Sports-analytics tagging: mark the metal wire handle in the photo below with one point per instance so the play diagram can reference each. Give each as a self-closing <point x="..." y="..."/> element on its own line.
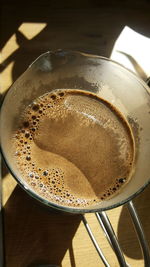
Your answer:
<point x="98" y="249"/>
<point x="112" y="239"/>
<point x="110" y="235"/>
<point x="140" y="233"/>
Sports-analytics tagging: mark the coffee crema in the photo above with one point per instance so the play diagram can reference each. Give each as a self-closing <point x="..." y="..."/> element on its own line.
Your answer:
<point x="73" y="148"/>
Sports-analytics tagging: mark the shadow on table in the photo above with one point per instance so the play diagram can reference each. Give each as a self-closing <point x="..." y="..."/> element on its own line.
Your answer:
<point x="35" y="234"/>
<point x="126" y="234"/>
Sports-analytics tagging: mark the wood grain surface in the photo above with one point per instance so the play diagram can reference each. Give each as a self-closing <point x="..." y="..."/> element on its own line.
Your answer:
<point x="32" y="233"/>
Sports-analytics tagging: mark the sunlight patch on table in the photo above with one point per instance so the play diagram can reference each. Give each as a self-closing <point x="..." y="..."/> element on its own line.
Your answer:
<point x="6" y="77"/>
<point x="10" y="47"/>
<point x="30" y="30"/>
<point x="8" y="185"/>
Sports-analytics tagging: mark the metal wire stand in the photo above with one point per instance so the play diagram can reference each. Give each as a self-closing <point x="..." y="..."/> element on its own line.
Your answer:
<point x="112" y="239"/>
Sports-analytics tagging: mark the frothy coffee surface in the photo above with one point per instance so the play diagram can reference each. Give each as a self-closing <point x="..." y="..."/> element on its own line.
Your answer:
<point x="73" y="148"/>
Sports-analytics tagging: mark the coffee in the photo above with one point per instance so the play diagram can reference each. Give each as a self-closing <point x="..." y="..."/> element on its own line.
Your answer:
<point x="73" y="148"/>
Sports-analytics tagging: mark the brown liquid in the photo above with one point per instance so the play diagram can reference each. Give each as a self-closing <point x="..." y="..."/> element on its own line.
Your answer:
<point x="73" y="148"/>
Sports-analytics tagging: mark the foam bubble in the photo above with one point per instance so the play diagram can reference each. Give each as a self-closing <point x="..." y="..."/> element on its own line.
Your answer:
<point x="28" y="158"/>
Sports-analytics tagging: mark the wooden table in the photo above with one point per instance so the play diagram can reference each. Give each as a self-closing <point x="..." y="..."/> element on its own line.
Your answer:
<point x="34" y="234"/>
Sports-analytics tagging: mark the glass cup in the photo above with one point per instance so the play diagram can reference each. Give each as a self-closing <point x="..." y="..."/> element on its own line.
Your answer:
<point x="101" y="76"/>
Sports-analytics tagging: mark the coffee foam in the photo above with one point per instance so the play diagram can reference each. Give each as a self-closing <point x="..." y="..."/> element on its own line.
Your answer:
<point x="73" y="148"/>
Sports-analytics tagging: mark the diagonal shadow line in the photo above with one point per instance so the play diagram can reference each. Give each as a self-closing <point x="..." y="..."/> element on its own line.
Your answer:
<point x="71" y="253"/>
<point x="135" y="64"/>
